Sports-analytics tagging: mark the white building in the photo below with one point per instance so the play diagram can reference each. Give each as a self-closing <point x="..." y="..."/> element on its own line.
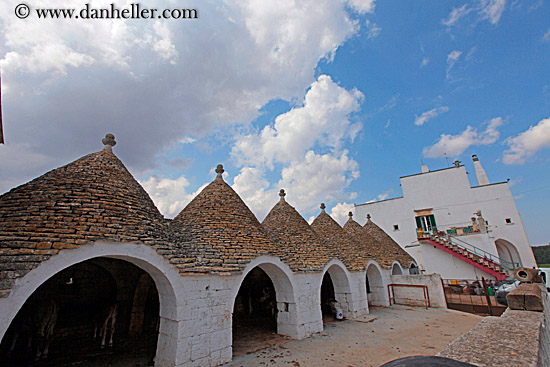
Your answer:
<point x="482" y="221"/>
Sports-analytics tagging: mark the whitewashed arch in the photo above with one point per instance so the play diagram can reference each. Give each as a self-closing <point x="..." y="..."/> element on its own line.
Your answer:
<point x="283" y="281"/>
<point x="279" y="273"/>
<point x="413" y="268"/>
<point x="508" y="252"/>
<point x="378" y="294"/>
<point x="341" y="280"/>
<point x="396" y="269"/>
<point x="165" y="276"/>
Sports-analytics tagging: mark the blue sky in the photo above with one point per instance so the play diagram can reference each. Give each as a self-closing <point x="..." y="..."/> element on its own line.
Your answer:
<point x="331" y="100"/>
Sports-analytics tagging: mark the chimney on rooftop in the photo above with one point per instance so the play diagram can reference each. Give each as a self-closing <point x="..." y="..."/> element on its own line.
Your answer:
<point x="481" y="176"/>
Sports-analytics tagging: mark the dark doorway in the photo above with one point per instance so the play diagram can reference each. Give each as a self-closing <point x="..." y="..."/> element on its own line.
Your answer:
<point x="328" y="299"/>
<point x="368" y="285"/>
<point x="72" y="311"/>
<point x="255" y="314"/>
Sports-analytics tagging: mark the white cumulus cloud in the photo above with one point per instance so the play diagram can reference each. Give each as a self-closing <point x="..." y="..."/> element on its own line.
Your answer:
<point x="323" y="123"/>
<point x="340" y="212"/>
<point x="319" y="177"/>
<point x="322" y="119"/>
<point x="169" y="195"/>
<point x="428" y="115"/>
<point x="527" y="143"/>
<point x="454" y="145"/>
<point x="152" y="83"/>
<point x="362" y="6"/>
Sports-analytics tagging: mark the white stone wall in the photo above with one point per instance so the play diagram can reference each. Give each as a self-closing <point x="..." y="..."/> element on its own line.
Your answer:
<point x="416" y="295"/>
<point x="451" y="267"/>
<point x="204" y="329"/>
<point x="196" y="310"/>
<point x="378" y="281"/>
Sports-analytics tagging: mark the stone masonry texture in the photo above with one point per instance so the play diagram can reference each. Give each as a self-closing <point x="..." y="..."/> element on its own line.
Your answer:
<point x="295" y="242"/>
<point x="341" y="245"/>
<point x="378" y="244"/>
<point x="95" y="198"/>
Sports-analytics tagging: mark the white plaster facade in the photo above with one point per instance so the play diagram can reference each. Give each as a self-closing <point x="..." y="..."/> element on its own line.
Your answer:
<point x="415" y="296"/>
<point x="196" y="310"/>
<point x="447" y="194"/>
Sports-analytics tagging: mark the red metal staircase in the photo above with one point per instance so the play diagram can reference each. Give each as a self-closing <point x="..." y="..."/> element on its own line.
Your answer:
<point x="480" y="261"/>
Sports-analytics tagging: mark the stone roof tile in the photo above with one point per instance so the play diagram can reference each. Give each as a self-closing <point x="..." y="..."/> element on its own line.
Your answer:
<point x="93" y="198"/>
<point x="216" y="232"/>
<point x="296" y="243"/>
<point x="341" y="244"/>
<point x="377" y="242"/>
<point x="387" y="249"/>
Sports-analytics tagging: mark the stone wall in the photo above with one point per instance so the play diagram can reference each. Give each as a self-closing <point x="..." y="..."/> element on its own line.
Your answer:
<point x="379" y="279"/>
<point x="415" y="296"/>
<point x="517" y="338"/>
<point x="196" y="310"/>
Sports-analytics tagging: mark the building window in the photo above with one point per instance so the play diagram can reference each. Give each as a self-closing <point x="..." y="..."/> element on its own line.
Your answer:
<point x="396" y="227"/>
<point x="508" y="221"/>
<point x="426" y="223"/>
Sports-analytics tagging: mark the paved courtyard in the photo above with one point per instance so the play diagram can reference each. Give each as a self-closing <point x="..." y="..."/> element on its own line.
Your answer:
<point x="383" y="335"/>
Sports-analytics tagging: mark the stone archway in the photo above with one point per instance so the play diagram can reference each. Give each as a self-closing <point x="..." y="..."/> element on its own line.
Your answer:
<point x="338" y="277"/>
<point x="509" y="253"/>
<point x="396" y="269"/>
<point x="263" y="303"/>
<point x="165" y="277"/>
<point x="376" y="293"/>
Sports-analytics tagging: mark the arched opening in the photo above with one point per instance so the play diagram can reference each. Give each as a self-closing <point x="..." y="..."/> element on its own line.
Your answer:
<point x="255" y="313"/>
<point x="84" y="313"/>
<point x="396" y="269"/>
<point x="375" y="286"/>
<point x="335" y="292"/>
<point x="413" y="269"/>
<point x="328" y="299"/>
<point x="508" y="253"/>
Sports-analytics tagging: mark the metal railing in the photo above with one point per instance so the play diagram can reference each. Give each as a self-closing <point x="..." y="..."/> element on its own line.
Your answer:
<point x="509" y="265"/>
<point x="478" y="252"/>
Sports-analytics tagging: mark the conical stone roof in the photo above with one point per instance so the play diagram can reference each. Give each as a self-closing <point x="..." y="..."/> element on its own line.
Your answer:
<point x="387" y="249"/>
<point x="297" y="244"/>
<point x="93" y="198"/>
<point x="342" y="246"/>
<point x="384" y="249"/>
<point x="216" y="232"/>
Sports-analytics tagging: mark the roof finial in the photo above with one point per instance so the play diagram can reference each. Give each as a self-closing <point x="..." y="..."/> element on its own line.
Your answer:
<point x="108" y="142"/>
<point x="368" y="217"/>
<point x="219" y="171"/>
<point x="282" y="194"/>
<point x="323" y="207"/>
<point x="350" y="214"/>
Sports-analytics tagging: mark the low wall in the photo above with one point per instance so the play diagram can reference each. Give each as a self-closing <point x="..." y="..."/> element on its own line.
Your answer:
<point x="517" y="338"/>
<point x="415" y="296"/>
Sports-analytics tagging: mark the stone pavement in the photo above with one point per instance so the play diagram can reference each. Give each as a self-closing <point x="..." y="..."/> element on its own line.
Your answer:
<point x="384" y="335"/>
